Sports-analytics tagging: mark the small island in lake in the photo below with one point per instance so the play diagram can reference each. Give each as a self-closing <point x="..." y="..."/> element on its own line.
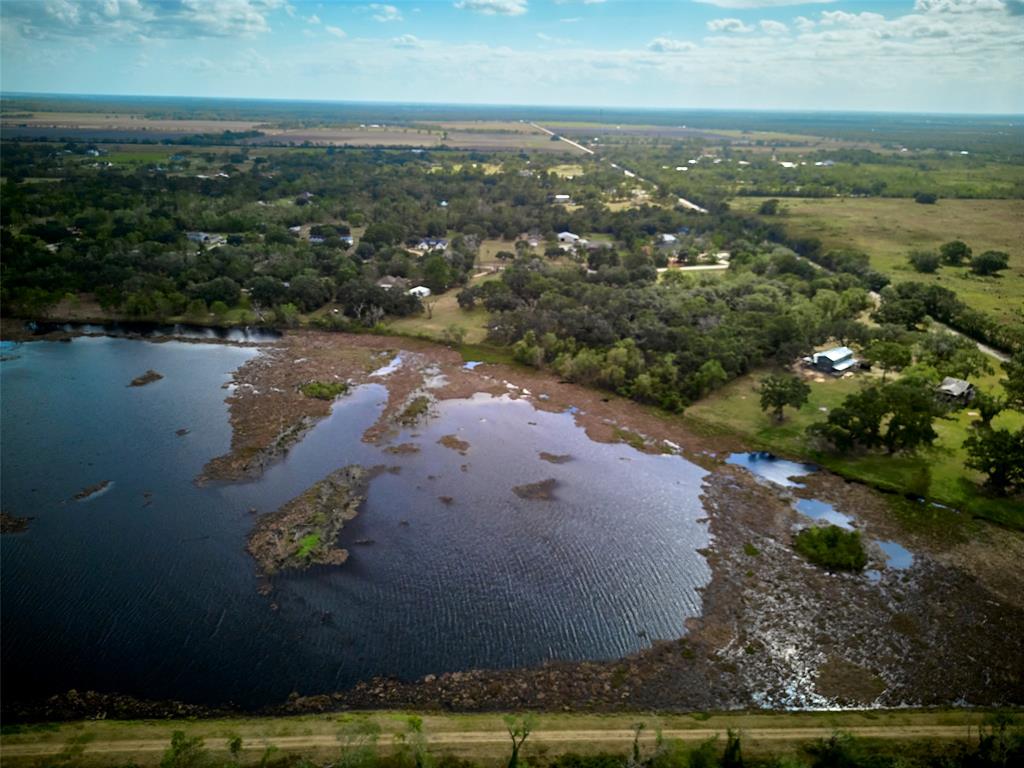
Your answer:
<point x="304" y="531"/>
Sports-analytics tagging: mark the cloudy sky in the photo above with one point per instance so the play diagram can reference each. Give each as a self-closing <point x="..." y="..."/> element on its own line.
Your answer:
<point x="900" y="55"/>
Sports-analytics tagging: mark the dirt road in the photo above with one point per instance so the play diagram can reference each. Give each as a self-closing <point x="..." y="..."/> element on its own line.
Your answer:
<point x="606" y="739"/>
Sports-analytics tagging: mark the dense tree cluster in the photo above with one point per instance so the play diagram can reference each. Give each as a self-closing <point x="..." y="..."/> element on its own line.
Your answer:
<point x="668" y="342"/>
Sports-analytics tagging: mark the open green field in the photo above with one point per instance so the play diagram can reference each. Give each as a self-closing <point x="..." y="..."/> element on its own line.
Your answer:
<point x="443" y="312"/>
<point x="888" y="228"/>
<point x="937" y="473"/>
<point x="481" y="738"/>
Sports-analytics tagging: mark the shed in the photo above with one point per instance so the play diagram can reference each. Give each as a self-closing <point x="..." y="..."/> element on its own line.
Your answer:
<point x="836" y="360"/>
<point x="420" y="291"/>
<point x="956" y="390"/>
<point x="568" y="237"/>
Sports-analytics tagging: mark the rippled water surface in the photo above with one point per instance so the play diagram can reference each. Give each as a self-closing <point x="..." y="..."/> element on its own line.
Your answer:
<point x="146" y="588"/>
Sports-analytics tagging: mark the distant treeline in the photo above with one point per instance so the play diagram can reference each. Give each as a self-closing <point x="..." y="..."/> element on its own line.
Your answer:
<point x="958" y="132"/>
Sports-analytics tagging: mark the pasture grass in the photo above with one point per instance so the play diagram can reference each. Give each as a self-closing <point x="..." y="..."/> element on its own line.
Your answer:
<point x="887" y="229"/>
<point x="936" y="473"/>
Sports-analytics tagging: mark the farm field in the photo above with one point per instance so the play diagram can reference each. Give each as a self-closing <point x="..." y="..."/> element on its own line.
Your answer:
<point x="937" y="473"/>
<point x="888" y="228"/>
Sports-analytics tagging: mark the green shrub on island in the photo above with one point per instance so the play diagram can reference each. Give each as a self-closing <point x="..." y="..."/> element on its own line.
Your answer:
<point x="324" y="390"/>
<point x="832" y="547"/>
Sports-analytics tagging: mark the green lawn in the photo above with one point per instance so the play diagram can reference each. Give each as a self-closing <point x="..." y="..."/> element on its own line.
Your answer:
<point x="888" y="228"/>
<point x="937" y="473"/>
<point x="444" y="313"/>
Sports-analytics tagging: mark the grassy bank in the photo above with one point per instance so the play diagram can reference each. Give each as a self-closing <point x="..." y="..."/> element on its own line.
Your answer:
<point x="887" y="229"/>
<point x="481" y="738"/>
<point x="937" y="473"/>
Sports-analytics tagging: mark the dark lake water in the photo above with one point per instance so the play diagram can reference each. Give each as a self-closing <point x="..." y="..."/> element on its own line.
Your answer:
<point x="147" y="589"/>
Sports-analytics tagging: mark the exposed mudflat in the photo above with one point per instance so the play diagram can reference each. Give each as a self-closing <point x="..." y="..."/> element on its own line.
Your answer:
<point x="304" y="531"/>
<point x="147" y="378"/>
<point x="12" y="523"/>
<point x="774" y="631"/>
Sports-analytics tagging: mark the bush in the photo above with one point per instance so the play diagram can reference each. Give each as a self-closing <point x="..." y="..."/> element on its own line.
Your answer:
<point x="324" y="390"/>
<point x="989" y="262"/>
<point x="925" y="198"/>
<point x="832" y="547"/>
<point x="924" y="261"/>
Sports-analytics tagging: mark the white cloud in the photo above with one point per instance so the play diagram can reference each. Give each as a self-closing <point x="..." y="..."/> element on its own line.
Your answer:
<point x="774" y="27"/>
<point x="744" y="4"/>
<point x="668" y="45"/>
<point x="959" y="6"/>
<point x="314" y="19"/>
<point x="336" y="31"/>
<point x="803" y="24"/>
<point x="492" y="7"/>
<point x="385" y="13"/>
<point x="406" y="41"/>
<point x="132" y="19"/>
<point x="728" y="25"/>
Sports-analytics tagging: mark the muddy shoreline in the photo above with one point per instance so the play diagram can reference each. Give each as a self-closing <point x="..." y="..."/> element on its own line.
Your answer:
<point x="775" y="631"/>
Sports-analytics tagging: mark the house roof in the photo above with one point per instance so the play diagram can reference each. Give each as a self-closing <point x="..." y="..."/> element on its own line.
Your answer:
<point x="835" y="354"/>
<point x="568" y="236"/>
<point x="954" y="387"/>
<point x="844" y="365"/>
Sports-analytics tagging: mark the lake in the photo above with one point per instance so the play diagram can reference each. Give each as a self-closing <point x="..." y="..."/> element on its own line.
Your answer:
<point x="146" y="588"/>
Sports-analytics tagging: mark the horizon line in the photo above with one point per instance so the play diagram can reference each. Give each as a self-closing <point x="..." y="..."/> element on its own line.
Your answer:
<point x="496" y="105"/>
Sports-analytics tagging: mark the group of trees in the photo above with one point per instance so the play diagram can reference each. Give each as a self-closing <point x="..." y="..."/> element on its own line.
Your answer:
<point x="672" y="341"/>
<point x="954" y="254"/>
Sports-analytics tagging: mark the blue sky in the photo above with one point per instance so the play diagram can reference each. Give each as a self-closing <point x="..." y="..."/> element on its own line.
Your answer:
<point x="901" y="55"/>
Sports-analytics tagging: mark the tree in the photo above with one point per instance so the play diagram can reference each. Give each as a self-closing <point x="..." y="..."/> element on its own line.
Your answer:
<point x="889" y="356"/>
<point x="988" y="406"/>
<point x="924" y="261"/>
<point x="519" y="730"/>
<point x="769" y="208"/>
<point x="999" y="453"/>
<point x="955" y="253"/>
<point x="925" y="198"/>
<point x="1013" y="384"/>
<point x="184" y="752"/>
<point x="912" y="408"/>
<point x="779" y="390"/>
<point x="989" y="262"/>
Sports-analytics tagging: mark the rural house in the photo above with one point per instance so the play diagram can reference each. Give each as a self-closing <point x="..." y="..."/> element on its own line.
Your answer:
<point x="568" y="237"/>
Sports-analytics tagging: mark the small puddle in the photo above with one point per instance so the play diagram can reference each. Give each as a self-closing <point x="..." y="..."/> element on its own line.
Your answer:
<point x="771" y="467"/>
<point x="472" y="364"/>
<point x="390" y="368"/>
<point x="897" y="556"/>
<point x="819" y="510"/>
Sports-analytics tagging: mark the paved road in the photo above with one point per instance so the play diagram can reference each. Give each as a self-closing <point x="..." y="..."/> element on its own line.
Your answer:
<point x="567" y="141"/>
<point x="470" y="738"/>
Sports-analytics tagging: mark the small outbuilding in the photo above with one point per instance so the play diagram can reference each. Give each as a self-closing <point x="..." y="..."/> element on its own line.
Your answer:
<point x="836" y="361"/>
<point x="420" y="291"/>
<point x="956" y="391"/>
<point x="568" y="237"/>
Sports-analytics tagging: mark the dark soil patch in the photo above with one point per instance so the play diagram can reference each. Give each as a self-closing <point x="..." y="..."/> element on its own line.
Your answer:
<point x="147" y="378"/>
<point x="542" y="491"/>
<point x="91" y="490"/>
<point x="12" y="523"/>
<point x="555" y="458"/>
<point x="453" y="442"/>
